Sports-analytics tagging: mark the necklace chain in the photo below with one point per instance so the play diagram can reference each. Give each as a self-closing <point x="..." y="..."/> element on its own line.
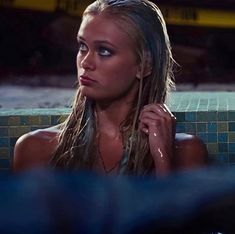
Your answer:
<point x="107" y="171"/>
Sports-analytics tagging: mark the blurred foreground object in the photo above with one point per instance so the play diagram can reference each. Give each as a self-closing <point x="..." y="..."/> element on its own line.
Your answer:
<point x="44" y="201"/>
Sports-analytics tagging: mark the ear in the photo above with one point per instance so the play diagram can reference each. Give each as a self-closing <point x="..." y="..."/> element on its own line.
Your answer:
<point x="145" y="67"/>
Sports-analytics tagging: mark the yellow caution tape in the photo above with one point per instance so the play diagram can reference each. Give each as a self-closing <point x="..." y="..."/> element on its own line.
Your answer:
<point x="173" y="15"/>
<point x="199" y="17"/>
<point x="73" y="7"/>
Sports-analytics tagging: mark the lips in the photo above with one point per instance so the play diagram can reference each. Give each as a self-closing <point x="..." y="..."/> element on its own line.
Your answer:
<point x="86" y="81"/>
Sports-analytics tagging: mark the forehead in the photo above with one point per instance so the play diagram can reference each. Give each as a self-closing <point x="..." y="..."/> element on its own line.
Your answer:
<point x="102" y="27"/>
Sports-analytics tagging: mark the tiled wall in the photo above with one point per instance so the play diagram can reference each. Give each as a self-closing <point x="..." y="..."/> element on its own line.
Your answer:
<point x="211" y="116"/>
<point x="14" y="123"/>
<point x="216" y="129"/>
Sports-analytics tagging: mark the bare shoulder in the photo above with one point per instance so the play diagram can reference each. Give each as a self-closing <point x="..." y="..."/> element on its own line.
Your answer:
<point x="35" y="148"/>
<point x="190" y="151"/>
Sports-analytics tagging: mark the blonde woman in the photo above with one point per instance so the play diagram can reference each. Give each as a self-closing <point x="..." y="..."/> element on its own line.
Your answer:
<point x="119" y="122"/>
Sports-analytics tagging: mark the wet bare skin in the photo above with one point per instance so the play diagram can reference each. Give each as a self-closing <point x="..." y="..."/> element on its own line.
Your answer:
<point x="35" y="149"/>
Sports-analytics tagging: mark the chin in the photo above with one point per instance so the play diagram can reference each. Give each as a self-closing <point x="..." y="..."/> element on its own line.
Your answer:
<point x="85" y="91"/>
<point x="89" y="95"/>
<point x="95" y="96"/>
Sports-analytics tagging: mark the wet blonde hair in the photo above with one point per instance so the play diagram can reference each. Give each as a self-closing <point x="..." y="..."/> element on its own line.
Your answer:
<point x="142" y="20"/>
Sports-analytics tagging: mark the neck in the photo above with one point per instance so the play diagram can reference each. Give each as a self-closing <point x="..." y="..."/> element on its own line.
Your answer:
<point x="110" y="117"/>
<point x="112" y="113"/>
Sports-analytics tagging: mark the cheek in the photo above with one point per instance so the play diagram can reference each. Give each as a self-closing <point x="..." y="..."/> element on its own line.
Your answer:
<point x="78" y="63"/>
<point x="121" y="72"/>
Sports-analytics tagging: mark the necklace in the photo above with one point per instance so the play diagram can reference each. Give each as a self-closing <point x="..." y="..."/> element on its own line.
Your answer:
<point x="107" y="171"/>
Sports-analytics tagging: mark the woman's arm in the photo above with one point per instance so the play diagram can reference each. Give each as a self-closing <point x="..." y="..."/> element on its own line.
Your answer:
<point x="170" y="151"/>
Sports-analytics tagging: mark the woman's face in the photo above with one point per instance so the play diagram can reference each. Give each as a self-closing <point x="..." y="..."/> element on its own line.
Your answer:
<point x="106" y="63"/>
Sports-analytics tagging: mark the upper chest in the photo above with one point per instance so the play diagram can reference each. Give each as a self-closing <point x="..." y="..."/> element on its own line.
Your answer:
<point x="109" y="153"/>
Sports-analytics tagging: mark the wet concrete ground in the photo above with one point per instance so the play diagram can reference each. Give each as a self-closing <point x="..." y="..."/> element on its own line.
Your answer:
<point x="15" y="96"/>
<point x="34" y="97"/>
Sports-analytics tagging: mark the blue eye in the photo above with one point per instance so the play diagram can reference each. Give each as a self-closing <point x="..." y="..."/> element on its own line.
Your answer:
<point x="82" y="47"/>
<point x="105" y="51"/>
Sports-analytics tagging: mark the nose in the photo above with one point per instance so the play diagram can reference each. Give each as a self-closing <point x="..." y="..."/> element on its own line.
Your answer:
<point x="88" y="61"/>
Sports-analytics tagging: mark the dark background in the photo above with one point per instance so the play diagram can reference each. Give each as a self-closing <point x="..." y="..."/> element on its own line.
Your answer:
<point x="43" y="44"/>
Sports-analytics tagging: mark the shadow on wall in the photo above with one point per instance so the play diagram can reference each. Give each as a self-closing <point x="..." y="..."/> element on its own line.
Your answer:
<point x="45" y="43"/>
<point x="37" y="43"/>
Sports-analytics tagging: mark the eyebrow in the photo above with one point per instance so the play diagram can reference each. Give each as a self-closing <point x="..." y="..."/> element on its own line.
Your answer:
<point x="97" y="41"/>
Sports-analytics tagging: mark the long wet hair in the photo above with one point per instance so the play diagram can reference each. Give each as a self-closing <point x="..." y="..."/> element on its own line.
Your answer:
<point x="143" y="22"/>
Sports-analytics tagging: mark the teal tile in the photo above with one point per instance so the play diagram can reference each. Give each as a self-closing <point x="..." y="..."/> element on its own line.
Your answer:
<point x="62" y="118"/>
<point x="45" y="120"/>
<point x="192" y="108"/>
<point x="223" y="137"/>
<point x="11" y="152"/>
<point x="190" y="127"/>
<point x="180" y="116"/>
<point x="231" y="137"/>
<point x="212" y="137"/>
<point x="4" y="132"/>
<point x="4" y="142"/>
<point x="212" y="127"/>
<point x="194" y="103"/>
<point x="231" y="115"/>
<point x="222" y="116"/>
<point x="55" y="119"/>
<point x="4" y="152"/>
<point x="212" y="148"/>
<point x="203" y="136"/>
<point x="202" y="116"/>
<point x="190" y="116"/>
<point x="201" y="127"/>
<point x="4" y="120"/>
<point x="180" y="127"/>
<point x="212" y="116"/>
<point x="222" y="127"/>
<point x="18" y="131"/>
<point x="13" y="141"/>
<point x="184" y="103"/>
<point x="24" y="120"/>
<point x="231" y="126"/>
<point x="34" y="120"/>
<point x="232" y="147"/>
<point x="14" y="121"/>
<point x="203" y="103"/>
<point x="223" y="147"/>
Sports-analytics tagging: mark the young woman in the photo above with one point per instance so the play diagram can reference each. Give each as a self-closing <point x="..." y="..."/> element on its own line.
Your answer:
<point x="119" y="122"/>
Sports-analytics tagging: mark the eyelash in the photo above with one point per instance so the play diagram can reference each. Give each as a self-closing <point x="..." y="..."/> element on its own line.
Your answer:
<point x="108" y="52"/>
<point x="101" y="49"/>
<point x="80" y="44"/>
